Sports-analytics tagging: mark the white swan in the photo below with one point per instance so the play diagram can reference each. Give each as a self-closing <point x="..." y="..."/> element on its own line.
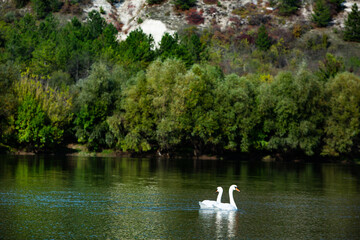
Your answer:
<point x="209" y="204"/>
<point x="231" y="205"/>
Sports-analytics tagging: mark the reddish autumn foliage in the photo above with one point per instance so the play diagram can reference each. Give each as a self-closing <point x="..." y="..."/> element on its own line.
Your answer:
<point x="250" y="39"/>
<point x="211" y="10"/>
<point x="194" y="17"/>
<point x="210" y="1"/>
<point x="118" y="26"/>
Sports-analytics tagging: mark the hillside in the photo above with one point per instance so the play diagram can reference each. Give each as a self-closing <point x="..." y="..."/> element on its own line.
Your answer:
<point x="159" y="18"/>
<point x="156" y="19"/>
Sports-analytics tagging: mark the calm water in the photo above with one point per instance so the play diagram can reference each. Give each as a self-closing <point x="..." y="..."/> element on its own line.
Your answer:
<point x="107" y="198"/>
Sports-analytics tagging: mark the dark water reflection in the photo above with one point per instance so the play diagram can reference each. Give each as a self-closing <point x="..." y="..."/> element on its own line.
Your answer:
<point x="106" y="198"/>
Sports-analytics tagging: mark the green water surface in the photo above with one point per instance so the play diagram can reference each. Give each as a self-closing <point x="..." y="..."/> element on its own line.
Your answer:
<point x="123" y="198"/>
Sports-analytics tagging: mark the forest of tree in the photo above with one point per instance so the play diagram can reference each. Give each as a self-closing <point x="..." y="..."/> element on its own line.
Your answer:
<point x="202" y="92"/>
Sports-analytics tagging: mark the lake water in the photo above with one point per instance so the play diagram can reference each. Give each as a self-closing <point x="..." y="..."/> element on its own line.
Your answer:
<point x="123" y="198"/>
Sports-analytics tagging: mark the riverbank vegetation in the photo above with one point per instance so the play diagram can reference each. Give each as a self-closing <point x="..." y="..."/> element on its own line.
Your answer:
<point x="201" y="92"/>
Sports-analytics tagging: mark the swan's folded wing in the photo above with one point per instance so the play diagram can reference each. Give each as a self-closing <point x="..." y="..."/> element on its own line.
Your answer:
<point x="224" y="206"/>
<point x="207" y="204"/>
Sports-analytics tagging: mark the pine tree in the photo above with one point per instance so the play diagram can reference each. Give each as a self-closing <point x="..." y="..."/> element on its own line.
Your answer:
<point x="352" y="25"/>
<point x="184" y="4"/>
<point x="288" y="7"/>
<point x="263" y="41"/>
<point x="151" y="2"/>
<point x="321" y="16"/>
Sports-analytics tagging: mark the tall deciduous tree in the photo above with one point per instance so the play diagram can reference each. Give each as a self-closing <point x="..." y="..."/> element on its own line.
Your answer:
<point x="290" y="109"/>
<point x="236" y="112"/>
<point x="194" y="98"/>
<point x="151" y="108"/>
<point x="94" y="104"/>
<point x="43" y="114"/>
<point x="342" y="126"/>
<point x="34" y="128"/>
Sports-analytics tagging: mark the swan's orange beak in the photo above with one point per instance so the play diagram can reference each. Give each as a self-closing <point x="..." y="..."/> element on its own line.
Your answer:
<point x="237" y="189"/>
<point x="216" y="191"/>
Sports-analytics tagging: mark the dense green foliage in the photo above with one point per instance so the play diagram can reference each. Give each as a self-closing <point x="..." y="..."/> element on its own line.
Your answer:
<point x="43" y="7"/>
<point x="292" y="112"/>
<point x="288" y="7"/>
<point x="321" y="16"/>
<point x="263" y="41"/>
<point x="184" y="4"/>
<point x="196" y="92"/>
<point x="94" y="103"/>
<point x="352" y="25"/>
<point x="155" y="1"/>
<point x="34" y="128"/>
<point x="342" y="125"/>
<point x="42" y="116"/>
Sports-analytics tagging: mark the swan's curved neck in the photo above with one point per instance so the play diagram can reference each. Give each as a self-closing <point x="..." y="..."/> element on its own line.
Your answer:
<point x="232" y="202"/>
<point x="218" y="199"/>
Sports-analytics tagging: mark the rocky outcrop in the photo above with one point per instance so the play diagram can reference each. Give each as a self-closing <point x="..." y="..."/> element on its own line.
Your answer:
<point x="128" y="15"/>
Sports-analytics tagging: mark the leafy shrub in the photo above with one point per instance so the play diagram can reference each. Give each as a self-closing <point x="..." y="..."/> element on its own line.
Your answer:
<point x="43" y="7"/>
<point x="102" y="11"/>
<point x="211" y="10"/>
<point x="297" y="31"/>
<point x="317" y="41"/>
<point x="353" y="64"/>
<point x="288" y="7"/>
<point x="184" y="4"/>
<point x="259" y="19"/>
<point x="210" y="1"/>
<point x="248" y="38"/>
<point x="10" y="17"/>
<point x="330" y="67"/>
<point x="194" y="17"/>
<point x="152" y="2"/>
<point x="71" y="7"/>
<point x="21" y="3"/>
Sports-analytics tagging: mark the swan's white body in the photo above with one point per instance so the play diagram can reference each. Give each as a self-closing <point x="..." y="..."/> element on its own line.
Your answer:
<point x="209" y="204"/>
<point x="228" y="206"/>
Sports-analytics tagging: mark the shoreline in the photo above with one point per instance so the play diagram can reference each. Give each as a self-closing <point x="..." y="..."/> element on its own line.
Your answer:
<point x="78" y="150"/>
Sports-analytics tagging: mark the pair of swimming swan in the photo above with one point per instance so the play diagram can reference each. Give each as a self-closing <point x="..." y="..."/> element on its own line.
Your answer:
<point x="209" y="204"/>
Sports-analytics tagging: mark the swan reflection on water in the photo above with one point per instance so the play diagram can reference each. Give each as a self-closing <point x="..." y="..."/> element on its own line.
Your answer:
<point x="225" y="222"/>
